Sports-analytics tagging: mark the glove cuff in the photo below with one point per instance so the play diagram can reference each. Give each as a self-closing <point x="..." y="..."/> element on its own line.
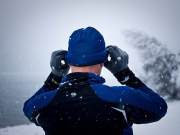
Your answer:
<point x="127" y="77"/>
<point x="52" y="82"/>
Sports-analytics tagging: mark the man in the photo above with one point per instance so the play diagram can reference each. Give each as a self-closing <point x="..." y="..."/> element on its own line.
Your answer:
<point x="80" y="104"/>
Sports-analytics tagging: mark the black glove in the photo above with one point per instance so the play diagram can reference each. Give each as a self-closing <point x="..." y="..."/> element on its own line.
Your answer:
<point x="117" y="59"/>
<point x="58" y="64"/>
<point x="117" y="63"/>
<point x="59" y="69"/>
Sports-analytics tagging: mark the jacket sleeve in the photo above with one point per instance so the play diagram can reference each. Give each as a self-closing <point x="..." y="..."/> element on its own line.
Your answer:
<point x="141" y="104"/>
<point x="38" y="101"/>
<point x="41" y="98"/>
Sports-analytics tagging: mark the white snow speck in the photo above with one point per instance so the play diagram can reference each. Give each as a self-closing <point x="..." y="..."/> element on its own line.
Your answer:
<point x="118" y="58"/>
<point x="73" y="94"/>
<point x="109" y="58"/>
<point x="120" y="100"/>
<point x="62" y="62"/>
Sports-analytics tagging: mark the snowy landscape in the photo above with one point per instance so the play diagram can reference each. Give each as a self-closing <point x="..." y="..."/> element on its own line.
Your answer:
<point x="30" y="30"/>
<point x="169" y="125"/>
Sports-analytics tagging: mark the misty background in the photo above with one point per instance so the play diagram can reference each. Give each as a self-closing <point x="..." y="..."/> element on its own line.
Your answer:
<point x="31" y="29"/>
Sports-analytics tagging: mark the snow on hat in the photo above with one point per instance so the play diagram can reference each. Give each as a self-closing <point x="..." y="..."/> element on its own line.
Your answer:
<point x="86" y="47"/>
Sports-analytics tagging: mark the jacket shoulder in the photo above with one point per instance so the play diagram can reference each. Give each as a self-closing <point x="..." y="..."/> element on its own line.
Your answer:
<point x="108" y="93"/>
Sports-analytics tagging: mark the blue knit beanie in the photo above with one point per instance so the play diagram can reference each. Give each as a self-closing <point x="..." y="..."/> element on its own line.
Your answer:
<point x="86" y="47"/>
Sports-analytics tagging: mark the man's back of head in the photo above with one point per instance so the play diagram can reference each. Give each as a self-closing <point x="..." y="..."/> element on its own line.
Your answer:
<point x="86" y="51"/>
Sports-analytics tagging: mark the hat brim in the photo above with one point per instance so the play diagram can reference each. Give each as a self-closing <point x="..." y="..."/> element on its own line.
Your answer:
<point x="86" y="60"/>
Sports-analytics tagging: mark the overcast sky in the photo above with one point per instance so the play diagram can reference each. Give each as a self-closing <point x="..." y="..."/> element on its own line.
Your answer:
<point x="31" y="29"/>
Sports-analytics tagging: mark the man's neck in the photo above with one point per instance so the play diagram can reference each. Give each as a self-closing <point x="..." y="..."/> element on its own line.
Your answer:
<point x="86" y="69"/>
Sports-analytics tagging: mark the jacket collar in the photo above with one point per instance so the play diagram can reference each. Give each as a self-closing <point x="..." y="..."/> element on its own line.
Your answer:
<point x="86" y="77"/>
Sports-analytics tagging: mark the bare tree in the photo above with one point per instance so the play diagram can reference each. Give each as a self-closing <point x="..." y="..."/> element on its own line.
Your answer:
<point x="162" y="67"/>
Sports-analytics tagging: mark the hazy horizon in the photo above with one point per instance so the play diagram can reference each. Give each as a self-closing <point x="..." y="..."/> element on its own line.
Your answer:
<point x="32" y="29"/>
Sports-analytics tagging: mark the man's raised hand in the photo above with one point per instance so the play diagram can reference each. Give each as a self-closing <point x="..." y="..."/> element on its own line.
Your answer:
<point x="117" y="59"/>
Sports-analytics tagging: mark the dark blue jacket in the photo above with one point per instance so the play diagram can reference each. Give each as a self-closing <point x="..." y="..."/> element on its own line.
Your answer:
<point x="84" y="105"/>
